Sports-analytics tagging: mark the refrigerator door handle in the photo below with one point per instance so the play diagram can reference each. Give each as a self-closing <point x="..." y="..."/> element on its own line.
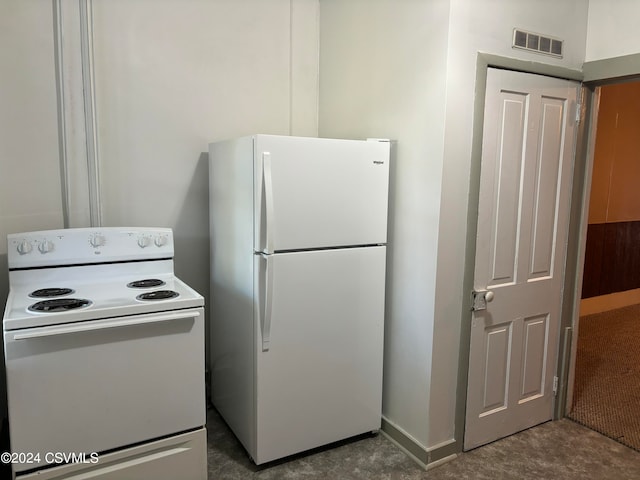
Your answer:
<point x="268" y="200"/>
<point x="265" y="323"/>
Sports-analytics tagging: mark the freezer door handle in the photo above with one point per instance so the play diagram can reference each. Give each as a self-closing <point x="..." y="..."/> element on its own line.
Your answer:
<point x="265" y="322"/>
<point x="267" y="179"/>
<point x="92" y="326"/>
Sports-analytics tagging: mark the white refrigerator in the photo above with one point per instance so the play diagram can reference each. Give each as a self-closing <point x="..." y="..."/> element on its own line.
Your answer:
<point x="298" y="253"/>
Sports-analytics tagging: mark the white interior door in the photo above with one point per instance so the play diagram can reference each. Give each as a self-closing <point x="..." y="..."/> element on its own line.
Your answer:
<point x="523" y="214"/>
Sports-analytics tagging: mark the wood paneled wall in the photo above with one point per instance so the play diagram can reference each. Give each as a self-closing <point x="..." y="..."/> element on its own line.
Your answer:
<point x="612" y="260"/>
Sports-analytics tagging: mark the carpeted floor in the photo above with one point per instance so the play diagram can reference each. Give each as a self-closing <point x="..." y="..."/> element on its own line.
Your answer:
<point x="607" y="380"/>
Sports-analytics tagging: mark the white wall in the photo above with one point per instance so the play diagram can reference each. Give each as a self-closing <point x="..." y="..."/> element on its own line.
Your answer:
<point x="612" y="29"/>
<point x="30" y="191"/>
<point x="172" y="76"/>
<point x="382" y="74"/>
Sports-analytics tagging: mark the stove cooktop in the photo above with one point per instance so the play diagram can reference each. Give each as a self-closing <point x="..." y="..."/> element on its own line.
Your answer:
<point x="56" y="305"/>
<point x="84" y="293"/>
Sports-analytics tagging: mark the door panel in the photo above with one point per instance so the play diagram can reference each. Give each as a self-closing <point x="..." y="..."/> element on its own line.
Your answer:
<point x="498" y="345"/>
<point x="504" y="246"/>
<point x="318" y="192"/>
<point x="525" y="181"/>
<point x="546" y="188"/>
<point x="533" y="366"/>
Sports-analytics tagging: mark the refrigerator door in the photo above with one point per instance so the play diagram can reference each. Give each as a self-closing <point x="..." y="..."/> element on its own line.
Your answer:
<point x="317" y="192"/>
<point x="319" y="375"/>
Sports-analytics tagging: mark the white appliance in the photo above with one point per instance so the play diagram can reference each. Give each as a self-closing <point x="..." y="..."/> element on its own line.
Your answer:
<point x="104" y="351"/>
<point x="298" y="234"/>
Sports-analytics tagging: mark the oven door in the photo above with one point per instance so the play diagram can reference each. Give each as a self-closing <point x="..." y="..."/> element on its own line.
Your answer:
<point x="104" y="384"/>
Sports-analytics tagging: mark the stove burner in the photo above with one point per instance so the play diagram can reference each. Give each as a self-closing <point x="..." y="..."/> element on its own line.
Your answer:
<point x="146" y="283"/>
<point x="51" y="292"/>
<point x="158" y="295"/>
<point x="59" y="305"/>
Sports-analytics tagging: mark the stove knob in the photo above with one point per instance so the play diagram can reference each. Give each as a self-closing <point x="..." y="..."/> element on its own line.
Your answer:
<point x="24" y="247"/>
<point x="96" y="240"/>
<point x="144" y="242"/>
<point x="161" y="240"/>
<point x="45" y="246"/>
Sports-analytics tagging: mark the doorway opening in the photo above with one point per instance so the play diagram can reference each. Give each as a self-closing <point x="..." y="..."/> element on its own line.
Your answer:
<point x="606" y="387"/>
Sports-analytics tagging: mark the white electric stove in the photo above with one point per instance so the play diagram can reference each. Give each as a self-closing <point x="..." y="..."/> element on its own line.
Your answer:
<point x="104" y="351"/>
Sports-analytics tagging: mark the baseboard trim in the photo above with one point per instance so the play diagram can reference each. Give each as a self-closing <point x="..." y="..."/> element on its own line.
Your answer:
<point x="426" y="458"/>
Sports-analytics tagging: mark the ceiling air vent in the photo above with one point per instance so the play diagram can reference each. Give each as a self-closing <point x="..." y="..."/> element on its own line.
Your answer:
<point x="534" y="42"/>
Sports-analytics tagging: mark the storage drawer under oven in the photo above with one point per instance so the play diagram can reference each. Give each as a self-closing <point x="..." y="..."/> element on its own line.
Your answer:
<point x="104" y="384"/>
<point x="180" y="457"/>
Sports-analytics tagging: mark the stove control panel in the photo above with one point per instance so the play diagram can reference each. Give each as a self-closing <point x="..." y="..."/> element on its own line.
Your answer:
<point x="78" y="246"/>
<point x="24" y="247"/>
<point x="96" y="240"/>
<point x="161" y="240"/>
<point x="45" y="246"/>
<point x="144" y="241"/>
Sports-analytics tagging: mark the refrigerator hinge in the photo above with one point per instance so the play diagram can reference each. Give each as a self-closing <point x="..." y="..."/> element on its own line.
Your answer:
<point x="385" y="140"/>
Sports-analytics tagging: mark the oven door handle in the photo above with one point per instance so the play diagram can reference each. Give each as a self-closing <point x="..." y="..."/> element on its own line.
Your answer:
<point x="105" y="324"/>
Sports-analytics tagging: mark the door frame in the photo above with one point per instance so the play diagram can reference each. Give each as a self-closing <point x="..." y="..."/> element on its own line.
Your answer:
<point x="536" y="406"/>
<point x="596" y="74"/>
<point x="593" y="75"/>
<point x="483" y="62"/>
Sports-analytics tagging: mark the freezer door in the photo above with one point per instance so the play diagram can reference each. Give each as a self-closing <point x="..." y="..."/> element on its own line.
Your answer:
<point x="317" y="192"/>
<point x="319" y="375"/>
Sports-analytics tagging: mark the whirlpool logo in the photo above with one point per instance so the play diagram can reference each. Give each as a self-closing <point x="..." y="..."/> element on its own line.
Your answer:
<point x="378" y="162"/>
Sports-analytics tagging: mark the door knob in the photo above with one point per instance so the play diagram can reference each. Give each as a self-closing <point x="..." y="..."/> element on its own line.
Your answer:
<point x="480" y="298"/>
